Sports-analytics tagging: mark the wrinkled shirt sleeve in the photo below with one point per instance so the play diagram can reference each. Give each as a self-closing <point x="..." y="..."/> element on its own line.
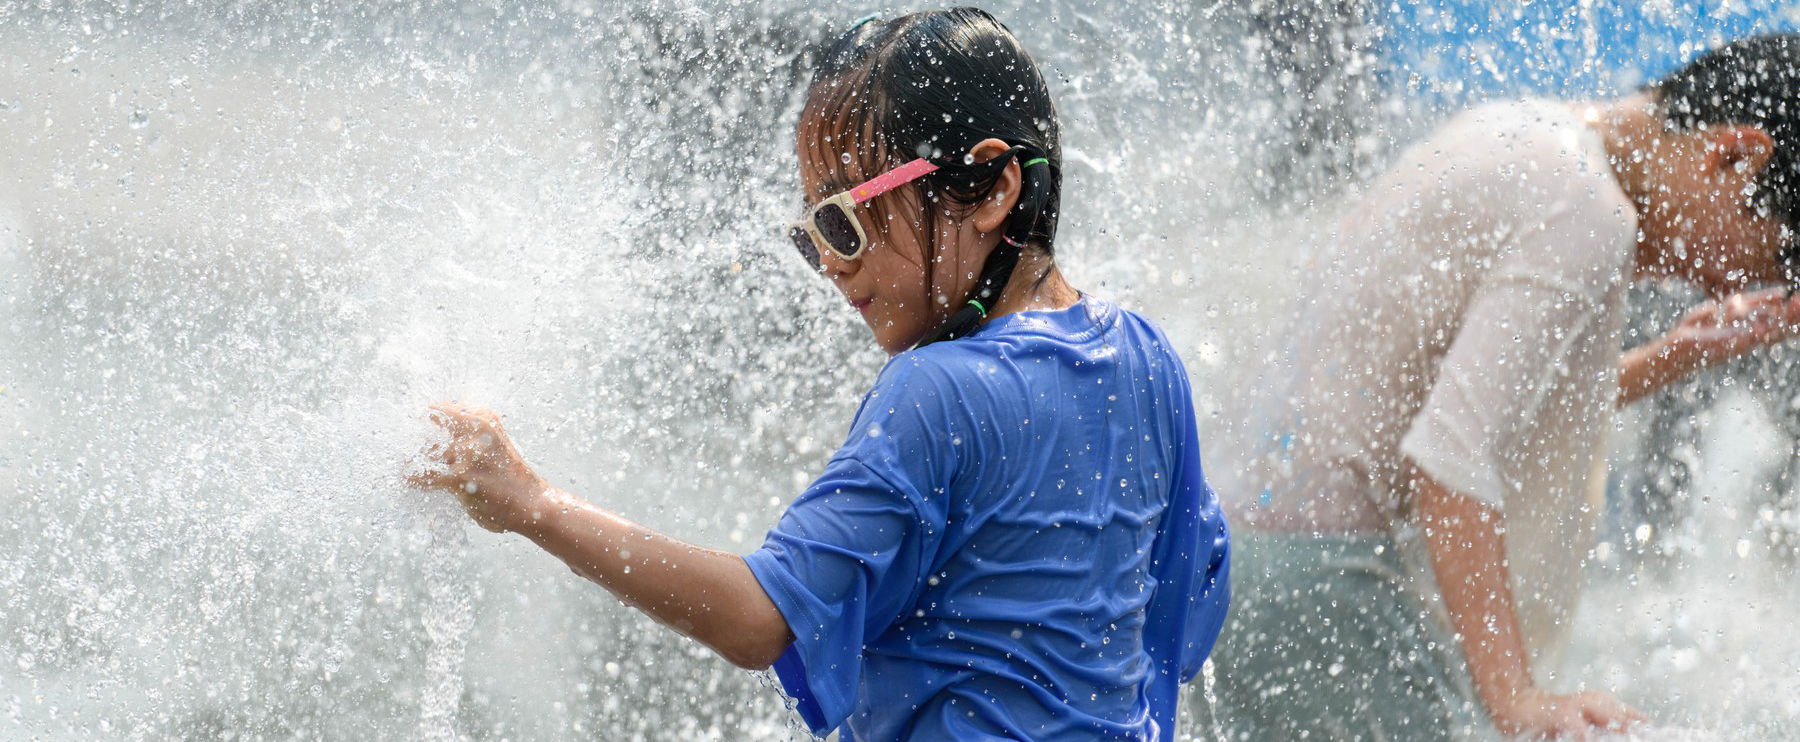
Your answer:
<point x="1193" y="586"/>
<point x="853" y="551"/>
<point x="1518" y="334"/>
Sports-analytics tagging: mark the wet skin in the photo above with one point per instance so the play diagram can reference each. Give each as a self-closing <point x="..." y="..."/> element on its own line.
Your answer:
<point x="707" y="594"/>
<point x="1693" y="191"/>
<point x="889" y="284"/>
<point x="1696" y="221"/>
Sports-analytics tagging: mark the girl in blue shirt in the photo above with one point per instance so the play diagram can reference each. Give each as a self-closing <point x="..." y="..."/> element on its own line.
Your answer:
<point x="1015" y="541"/>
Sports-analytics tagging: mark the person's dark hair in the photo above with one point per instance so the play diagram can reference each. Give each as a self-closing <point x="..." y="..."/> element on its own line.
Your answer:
<point x="933" y="85"/>
<point x="1753" y="81"/>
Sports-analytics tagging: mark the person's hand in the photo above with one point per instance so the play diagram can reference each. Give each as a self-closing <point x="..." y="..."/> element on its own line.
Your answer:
<point x="484" y="470"/>
<point x="1534" y="714"/>
<point x="1717" y="331"/>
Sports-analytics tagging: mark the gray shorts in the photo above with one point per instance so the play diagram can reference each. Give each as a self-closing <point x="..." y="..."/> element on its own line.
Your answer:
<point x="1325" y="642"/>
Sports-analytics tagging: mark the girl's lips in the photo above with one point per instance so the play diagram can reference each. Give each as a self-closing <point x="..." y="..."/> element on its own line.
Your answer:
<point x="863" y="303"/>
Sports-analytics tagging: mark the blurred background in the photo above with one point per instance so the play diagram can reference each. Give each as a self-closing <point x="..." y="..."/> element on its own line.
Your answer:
<point x="243" y="244"/>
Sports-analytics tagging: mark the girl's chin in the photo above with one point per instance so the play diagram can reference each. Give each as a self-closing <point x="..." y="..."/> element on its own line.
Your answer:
<point x="894" y="340"/>
<point x="893" y="347"/>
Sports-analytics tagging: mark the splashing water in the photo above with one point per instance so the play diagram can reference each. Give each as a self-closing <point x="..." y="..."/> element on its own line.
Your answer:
<point x="448" y="614"/>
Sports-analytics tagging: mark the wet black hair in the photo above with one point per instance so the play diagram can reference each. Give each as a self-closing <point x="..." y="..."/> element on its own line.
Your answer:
<point x="934" y="84"/>
<point x="1753" y="81"/>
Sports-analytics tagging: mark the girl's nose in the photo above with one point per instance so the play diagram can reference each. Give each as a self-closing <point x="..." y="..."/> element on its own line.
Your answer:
<point x="835" y="267"/>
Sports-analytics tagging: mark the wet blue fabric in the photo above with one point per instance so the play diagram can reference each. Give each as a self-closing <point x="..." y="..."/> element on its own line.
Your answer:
<point x="1016" y="542"/>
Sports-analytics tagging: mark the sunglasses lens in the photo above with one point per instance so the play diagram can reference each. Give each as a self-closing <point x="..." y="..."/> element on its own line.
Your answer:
<point x="804" y="243"/>
<point x="839" y="230"/>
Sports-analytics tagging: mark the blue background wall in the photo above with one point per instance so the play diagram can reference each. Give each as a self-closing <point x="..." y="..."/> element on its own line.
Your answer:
<point x="1459" y="52"/>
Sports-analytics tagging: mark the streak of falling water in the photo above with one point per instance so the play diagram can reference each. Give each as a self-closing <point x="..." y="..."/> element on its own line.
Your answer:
<point x="448" y="616"/>
<point x="1209" y="692"/>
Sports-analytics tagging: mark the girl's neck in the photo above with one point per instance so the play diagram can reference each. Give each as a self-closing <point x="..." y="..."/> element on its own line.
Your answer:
<point x="1036" y="284"/>
<point x="1640" y="147"/>
<point x="1633" y="131"/>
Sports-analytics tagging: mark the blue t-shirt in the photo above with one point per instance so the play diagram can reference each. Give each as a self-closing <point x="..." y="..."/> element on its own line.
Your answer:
<point x="1016" y="542"/>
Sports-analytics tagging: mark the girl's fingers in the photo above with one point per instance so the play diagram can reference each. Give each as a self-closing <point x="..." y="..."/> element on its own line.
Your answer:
<point x="1608" y="712"/>
<point x="1567" y="724"/>
<point x="1789" y="310"/>
<point x="1619" y="712"/>
<point x="452" y="418"/>
<point x="475" y="433"/>
<point x="431" y="480"/>
<point x="469" y="450"/>
<point x="1777" y="300"/>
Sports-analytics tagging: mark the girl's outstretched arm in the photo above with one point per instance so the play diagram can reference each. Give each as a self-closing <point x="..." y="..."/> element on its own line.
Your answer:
<point x="1466" y="541"/>
<point x="705" y="594"/>
<point x="1709" y="334"/>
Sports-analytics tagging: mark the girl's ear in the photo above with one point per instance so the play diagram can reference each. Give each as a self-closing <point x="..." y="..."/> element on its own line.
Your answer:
<point x="1741" y="149"/>
<point x="990" y="215"/>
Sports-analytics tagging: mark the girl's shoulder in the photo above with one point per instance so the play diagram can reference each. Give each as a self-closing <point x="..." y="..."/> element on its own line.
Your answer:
<point x="933" y="369"/>
<point x="1500" y="168"/>
<point x="935" y="365"/>
<point x="1025" y="347"/>
<point x="1519" y="141"/>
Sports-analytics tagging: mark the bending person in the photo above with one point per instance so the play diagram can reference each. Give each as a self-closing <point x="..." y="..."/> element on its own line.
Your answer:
<point x="1016" y="540"/>
<point x="1435" y="435"/>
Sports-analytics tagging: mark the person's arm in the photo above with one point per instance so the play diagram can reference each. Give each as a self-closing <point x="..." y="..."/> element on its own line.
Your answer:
<point x="705" y="594"/>
<point x="1649" y="367"/>
<point x="1466" y="541"/>
<point x="1530" y="327"/>
<point x="1709" y="334"/>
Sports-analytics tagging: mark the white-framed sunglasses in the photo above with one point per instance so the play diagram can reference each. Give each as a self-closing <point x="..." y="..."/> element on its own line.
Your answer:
<point x="832" y="225"/>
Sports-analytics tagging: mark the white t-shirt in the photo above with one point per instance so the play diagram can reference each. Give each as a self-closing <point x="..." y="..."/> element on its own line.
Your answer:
<point x="1465" y="315"/>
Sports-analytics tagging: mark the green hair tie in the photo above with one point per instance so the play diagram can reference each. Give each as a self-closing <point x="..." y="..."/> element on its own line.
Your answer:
<point x="979" y="307"/>
<point x="1036" y="160"/>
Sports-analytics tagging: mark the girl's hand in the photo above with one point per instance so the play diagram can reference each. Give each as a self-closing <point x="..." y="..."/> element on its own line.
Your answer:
<point x="1709" y="334"/>
<point x="1534" y="714"/>
<point x="1717" y="331"/>
<point x="485" y="470"/>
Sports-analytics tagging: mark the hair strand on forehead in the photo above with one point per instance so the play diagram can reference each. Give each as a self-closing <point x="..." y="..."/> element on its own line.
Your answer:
<point x="932" y="85"/>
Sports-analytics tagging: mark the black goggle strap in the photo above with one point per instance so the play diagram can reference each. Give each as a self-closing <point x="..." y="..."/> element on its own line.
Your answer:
<point x="997" y="271"/>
